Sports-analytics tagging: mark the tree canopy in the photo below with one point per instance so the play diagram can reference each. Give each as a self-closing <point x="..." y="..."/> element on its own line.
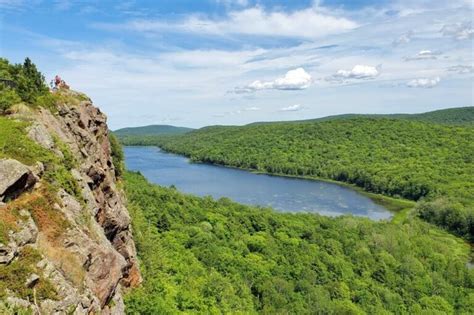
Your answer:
<point x="199" y="255"/>
<point x="20" y="82"/>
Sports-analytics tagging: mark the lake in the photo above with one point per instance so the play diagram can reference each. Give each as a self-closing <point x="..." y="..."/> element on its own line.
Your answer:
<point x="281" y="193"/>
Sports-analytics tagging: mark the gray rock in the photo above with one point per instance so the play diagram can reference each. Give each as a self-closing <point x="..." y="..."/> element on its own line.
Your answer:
<point x="7" y="253"/>
<point x="28" y="232"/>
<point x="40" y="134"/>
<point x="15" y="178"/>
<point x="32" y="280"/>
<point x="17" y="302"/>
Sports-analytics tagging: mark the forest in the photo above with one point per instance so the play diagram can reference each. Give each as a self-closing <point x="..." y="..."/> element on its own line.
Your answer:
<point x="200" y="255"/>
<point x="449" y="116"/>
<point x="421" y="161"/>
<point x="151" y="130"/>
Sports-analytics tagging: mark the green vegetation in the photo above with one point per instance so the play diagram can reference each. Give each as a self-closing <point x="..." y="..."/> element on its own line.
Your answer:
<point x="15" y="144"/>
<point x="450" y="116"/>
<point x="20" y="82"/>
<point x="152" y="130"/>
<point x="117" y="155"/>
<point x="206" y="256"/>
<point x="14" y="276"/>
<point x="146" y="134"/>
<point x="400" y="158"/>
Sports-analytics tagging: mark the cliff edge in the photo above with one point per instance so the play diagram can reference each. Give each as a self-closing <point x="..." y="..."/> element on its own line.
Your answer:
<point x="65" y="236"/>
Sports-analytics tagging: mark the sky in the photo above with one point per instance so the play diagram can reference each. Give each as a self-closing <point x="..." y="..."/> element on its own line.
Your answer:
<point x="205" y="62"/>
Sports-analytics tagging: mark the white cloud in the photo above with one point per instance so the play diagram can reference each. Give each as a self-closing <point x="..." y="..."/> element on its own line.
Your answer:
<point x="241" y="3"/>
<point x="423" y="55"/>
<point x="461" y="69"/>
<point x="403" y="39"/>
<point x="297" y="79"/>
<point x="307" y="23"/>
<point x="424" y="82"/>
<point x="357" y="72"/>
<point x="458" y="31"/>
<point x="251" y="109"/>
<point x="291" y="108"/>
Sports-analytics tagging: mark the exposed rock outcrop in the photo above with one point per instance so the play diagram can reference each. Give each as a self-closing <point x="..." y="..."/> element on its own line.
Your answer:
<point x="15" y="178"/>
<point x="94" y="258"/>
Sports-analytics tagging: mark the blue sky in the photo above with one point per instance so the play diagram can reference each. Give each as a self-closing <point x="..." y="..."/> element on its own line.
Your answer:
<point x="196" y="63"/>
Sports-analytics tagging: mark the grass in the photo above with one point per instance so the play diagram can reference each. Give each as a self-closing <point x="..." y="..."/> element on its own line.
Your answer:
<point x="15" y="144"/>
<point x="69" y="264"/>
<point x="51" y="101"/>
<point x="14" y="276"/>
<point x="8" y="222"/>
<point x="52" y="224"/>
<point x="40" y="204"/>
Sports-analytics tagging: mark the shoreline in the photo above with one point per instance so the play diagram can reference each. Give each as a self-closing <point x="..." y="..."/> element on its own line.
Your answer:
<point x="400" y="208"/>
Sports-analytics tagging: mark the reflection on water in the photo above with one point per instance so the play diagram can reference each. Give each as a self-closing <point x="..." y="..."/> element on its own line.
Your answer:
<point x="281" y="193"/>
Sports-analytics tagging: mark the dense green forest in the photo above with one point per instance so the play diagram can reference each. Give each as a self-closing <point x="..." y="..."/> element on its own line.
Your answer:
<point x="206" y="256"/>
<point x="450" y="116"/>
<point x="431" y="163"/>
<point x="152" y="130"/>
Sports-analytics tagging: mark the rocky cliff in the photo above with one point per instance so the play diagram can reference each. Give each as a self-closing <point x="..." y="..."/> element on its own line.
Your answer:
<point x="67" y="246"/>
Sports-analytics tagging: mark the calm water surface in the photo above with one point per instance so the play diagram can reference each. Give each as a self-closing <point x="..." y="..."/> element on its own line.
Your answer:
<point x="281" y="193"/>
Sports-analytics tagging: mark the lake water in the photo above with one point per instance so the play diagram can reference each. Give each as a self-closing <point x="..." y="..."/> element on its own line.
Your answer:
<point x="280" y="193"/>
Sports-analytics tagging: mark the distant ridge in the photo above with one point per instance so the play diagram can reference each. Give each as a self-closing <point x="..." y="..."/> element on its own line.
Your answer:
<point x="152" y="130"/>
<point x="450" y="116"/>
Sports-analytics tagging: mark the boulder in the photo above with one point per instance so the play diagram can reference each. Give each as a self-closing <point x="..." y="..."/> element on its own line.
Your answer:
<point x="40" y="135"/>
<point x="28" y="232"/>
<point x="32" y="280"/>
<point x="15" y="178"/>
<point x="7" y="253"/>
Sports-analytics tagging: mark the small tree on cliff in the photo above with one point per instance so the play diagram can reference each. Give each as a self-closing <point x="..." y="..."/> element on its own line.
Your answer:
<point x="31" y="83"/>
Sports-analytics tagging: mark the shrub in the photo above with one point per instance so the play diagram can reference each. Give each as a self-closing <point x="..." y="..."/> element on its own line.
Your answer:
<point x="8" y="97"/>
<point x="27" y="82"/>
<point x="117" y="155"/>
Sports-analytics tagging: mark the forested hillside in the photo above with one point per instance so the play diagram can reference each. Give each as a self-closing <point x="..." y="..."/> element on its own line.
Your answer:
<point x="151" y="130"/>
<point x="450" y="116"/>
<point x="204" y="256"/>
<point x="401" y="158"/>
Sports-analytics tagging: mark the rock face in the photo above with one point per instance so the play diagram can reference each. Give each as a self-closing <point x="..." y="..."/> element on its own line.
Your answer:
<point x="95" y="258"/>
<point x="15" y="178"/>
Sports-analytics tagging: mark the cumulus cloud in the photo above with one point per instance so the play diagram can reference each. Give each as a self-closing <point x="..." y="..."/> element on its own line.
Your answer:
<point x="306" y="23"/>
<point x="291" y="108"/>
<point x="423" y="55"/>
<point x="458" y="31"/>
<point x="461" y="69"/>
<point x="426" y="83"/>
<point x="357" y="72"/>
<point x="297" y="79"/>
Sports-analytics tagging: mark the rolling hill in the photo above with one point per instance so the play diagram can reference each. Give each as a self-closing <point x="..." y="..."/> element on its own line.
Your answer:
<point x="450" y="116"/>
<point x="151" y="130"/>
<point x="454" y="116"/>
